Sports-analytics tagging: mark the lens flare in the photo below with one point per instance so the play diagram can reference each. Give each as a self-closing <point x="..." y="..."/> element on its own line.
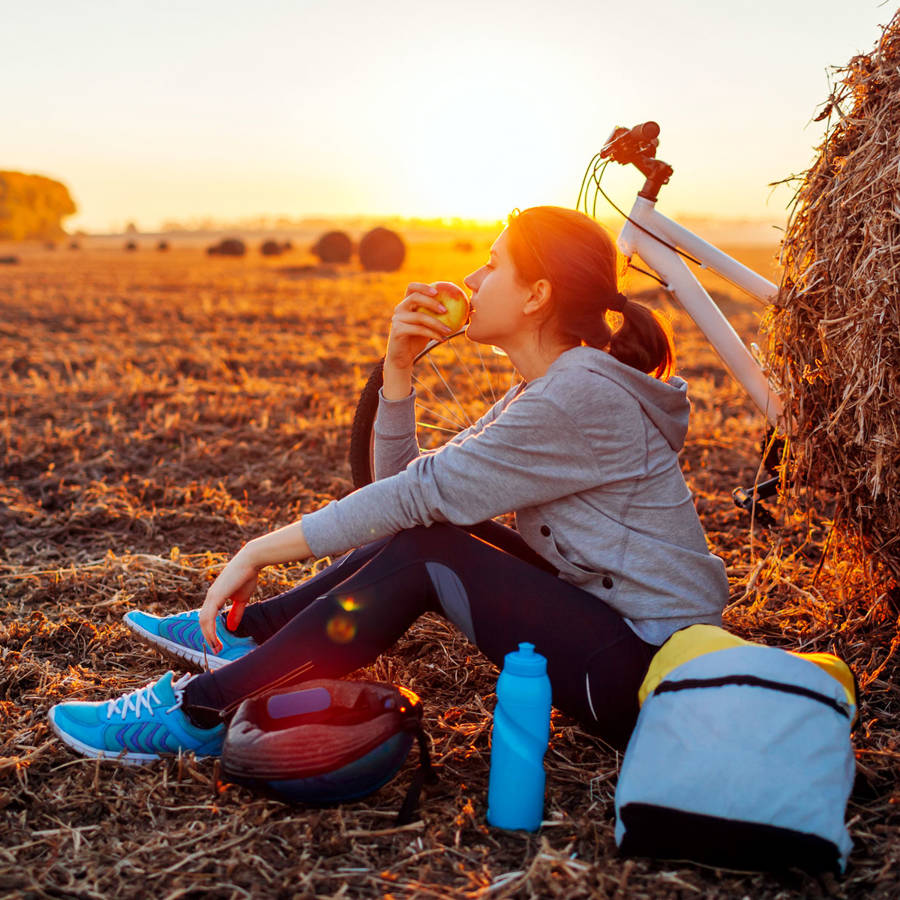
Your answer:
<point x="350" y="604"/>
<point x="341" y="629"/>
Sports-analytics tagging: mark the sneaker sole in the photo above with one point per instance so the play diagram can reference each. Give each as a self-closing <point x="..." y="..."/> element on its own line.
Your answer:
<point x="196" y="657"/>
<point x="123" y="756"/>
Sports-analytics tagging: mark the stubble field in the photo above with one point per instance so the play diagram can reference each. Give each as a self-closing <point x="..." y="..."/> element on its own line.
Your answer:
<point x="158" y="410"/>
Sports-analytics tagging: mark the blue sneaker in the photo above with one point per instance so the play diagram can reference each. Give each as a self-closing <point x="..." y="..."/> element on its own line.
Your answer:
<point x="135" y="728"/>
<point x="181" y="636"/>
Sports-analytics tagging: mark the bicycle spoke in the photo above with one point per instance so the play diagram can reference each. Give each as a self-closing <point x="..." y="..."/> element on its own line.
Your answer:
<point x="472" y="377"/>
<point x="487" y="369"/>
<point x="450" y="391"/>
<point x="450" y="417"/>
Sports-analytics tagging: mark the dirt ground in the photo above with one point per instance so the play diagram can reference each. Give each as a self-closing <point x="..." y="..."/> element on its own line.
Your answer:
<point x="158" y="410"/>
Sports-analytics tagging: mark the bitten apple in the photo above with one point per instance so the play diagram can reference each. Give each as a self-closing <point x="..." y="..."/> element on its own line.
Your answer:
<point x="456" y="302"/>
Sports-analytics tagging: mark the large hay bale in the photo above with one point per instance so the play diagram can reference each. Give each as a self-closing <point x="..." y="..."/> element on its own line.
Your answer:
<point x="333" y="247"/>
<point x="32" y="207"/>
<point x="834" y="332"/>
<point x="381" y="250"/>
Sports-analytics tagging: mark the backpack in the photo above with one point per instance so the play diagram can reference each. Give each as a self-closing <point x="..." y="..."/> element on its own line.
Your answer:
<point x="327" y="741"/>
<point x="741" y="756"/>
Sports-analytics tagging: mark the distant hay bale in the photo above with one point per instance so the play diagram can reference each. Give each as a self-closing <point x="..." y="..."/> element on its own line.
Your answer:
<point x="162" y="246"/>
<point x="834" y="331"/>
<point x="333" y="247"/>
<point x="287" y="246"/>
<point x="9" y="260"/>
<point x="228" y="247"/>
<point x="74" y="245"/>
<point x="131" y="245"/>
<point x="382" y="250"/>
<point x="271" y="248"/>
<point x="463" y="246"/>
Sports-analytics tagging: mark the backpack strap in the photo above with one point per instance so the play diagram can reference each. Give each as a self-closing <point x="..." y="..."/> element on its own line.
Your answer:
<point x="425" y="772"/>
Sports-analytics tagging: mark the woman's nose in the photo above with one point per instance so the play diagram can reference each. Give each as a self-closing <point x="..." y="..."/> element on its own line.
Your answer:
<point x="470" y="281"/>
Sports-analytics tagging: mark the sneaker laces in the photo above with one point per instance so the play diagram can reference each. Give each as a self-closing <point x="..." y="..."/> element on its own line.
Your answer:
<point x="146" y="697"/>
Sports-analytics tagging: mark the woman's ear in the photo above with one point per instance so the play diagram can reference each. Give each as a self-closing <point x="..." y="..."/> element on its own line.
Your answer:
<point x="539" y="299"/>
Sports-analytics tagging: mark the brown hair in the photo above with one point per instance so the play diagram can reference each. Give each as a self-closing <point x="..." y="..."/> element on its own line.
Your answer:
<point x="578" y="257"/>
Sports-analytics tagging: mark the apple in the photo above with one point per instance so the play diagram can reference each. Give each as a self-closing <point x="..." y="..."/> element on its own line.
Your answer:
<point x="456" y="302"/>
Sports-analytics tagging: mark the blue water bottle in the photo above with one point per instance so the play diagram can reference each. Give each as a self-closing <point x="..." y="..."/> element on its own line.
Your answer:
<point x="519" y="741"/>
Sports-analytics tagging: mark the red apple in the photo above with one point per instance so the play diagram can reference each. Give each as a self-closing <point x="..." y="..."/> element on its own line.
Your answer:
<point x="456" y="302"/>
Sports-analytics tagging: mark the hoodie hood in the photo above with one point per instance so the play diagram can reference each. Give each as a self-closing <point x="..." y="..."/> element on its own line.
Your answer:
<point x="665" y="402"/>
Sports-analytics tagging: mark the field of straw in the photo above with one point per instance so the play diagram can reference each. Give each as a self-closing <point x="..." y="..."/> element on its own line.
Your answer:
<point x="160" y="409"/>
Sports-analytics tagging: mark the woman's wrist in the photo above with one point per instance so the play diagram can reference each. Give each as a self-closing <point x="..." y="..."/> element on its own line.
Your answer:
<point x="396" y="383"/>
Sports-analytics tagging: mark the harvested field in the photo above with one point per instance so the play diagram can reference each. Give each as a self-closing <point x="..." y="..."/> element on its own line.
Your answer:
<point x="159" y="410"/>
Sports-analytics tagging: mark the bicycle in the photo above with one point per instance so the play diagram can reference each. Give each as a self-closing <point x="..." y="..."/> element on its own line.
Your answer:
<point x="661" y="243"/>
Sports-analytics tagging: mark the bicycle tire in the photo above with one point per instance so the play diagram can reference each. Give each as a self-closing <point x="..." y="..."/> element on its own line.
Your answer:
<point x="440" y="415"/>
<point x="361" y="433"/>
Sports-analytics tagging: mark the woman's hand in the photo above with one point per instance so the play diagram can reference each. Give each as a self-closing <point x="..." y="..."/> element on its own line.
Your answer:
<point x="412" y="327"/>
<point x="236" y="582"/>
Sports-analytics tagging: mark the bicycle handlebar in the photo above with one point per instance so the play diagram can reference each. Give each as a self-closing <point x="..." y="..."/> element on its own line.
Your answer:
<point x="637" y="146"/>
<point x="625" y="144"/>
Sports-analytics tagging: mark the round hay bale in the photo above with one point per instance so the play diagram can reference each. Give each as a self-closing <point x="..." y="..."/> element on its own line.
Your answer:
<point x="131" y="245"/>
<point x="271" y="248"/>
<point x="382" y="250"/>
<point x="333" y="247"/>
<point x="228" y="247"/>
<point x="74" y="245"/>
<point x="9" y="260"/>
<point x="834" y="330"/>
<point x="162" y="246"/>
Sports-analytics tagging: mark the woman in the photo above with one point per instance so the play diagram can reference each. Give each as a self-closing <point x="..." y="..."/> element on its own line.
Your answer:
<point x="609" y="558"/>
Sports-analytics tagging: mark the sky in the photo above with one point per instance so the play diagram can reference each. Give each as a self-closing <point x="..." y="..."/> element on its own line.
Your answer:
<point x="158" y="111"/>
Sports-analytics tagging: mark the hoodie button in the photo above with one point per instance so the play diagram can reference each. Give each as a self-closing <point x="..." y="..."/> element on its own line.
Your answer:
<point x="607" y="582"/>
<point x="545" y="530"/>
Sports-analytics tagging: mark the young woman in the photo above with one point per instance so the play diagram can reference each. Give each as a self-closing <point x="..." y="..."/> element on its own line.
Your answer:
<point x="608" y="559"/>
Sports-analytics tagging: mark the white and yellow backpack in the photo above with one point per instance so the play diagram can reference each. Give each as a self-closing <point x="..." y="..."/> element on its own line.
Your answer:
<point x="741" y="756"/>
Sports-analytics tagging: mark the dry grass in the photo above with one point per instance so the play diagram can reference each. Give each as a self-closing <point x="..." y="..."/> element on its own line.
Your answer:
<point x="158" y="411"/>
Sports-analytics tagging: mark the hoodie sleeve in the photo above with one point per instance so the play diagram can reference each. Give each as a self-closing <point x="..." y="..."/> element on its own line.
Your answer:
<point x="395" y="432"/>
<point x="532" y="453"/>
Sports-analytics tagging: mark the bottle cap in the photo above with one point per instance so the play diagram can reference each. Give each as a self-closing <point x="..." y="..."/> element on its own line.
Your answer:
<point x="525" y="661"/>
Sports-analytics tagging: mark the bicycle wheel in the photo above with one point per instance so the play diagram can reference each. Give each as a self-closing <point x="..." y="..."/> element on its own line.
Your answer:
<point x="456" y="382"/>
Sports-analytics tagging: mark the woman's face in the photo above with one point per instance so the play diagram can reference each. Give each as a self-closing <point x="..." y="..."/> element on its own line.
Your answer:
<point x="498" y="298"/>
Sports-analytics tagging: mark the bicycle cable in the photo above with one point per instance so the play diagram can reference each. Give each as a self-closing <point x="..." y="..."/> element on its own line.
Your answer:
<point x="593" y="177"/>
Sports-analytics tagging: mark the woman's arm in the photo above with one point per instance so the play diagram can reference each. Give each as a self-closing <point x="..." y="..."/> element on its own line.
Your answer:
<point x="237" y="581"/>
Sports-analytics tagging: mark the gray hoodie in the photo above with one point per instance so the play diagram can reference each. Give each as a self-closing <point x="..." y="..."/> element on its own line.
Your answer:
<point x="587" y="457"/>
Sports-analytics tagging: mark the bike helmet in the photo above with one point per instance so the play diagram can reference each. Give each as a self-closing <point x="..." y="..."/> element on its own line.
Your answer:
<point x="326" y="741"/>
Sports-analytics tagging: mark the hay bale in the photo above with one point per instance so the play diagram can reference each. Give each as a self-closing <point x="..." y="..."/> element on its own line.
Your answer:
<point x="131" y="245"/>
<point x="333" y="247"/>
<point x="834" y="331"/>
<point x="162" y="246"/>
<point x="228" y="247"/>
<point x="271" y="248"/>
<point x="382" y="250"/>
<point x="9" y="260"/>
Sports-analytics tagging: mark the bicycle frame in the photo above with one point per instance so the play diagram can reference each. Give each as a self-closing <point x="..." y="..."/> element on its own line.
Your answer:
<point x="694" y="299"/>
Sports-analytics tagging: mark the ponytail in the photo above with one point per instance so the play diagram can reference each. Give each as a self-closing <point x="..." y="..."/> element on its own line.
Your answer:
<point x="579" y="258"/>
<point x="643" y="341"/>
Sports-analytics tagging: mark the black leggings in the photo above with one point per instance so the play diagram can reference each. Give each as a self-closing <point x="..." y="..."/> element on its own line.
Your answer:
<point x="486" y="580"/>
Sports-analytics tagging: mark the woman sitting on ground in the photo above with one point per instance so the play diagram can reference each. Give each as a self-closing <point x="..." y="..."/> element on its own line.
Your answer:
<point x="608" y="559"/>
